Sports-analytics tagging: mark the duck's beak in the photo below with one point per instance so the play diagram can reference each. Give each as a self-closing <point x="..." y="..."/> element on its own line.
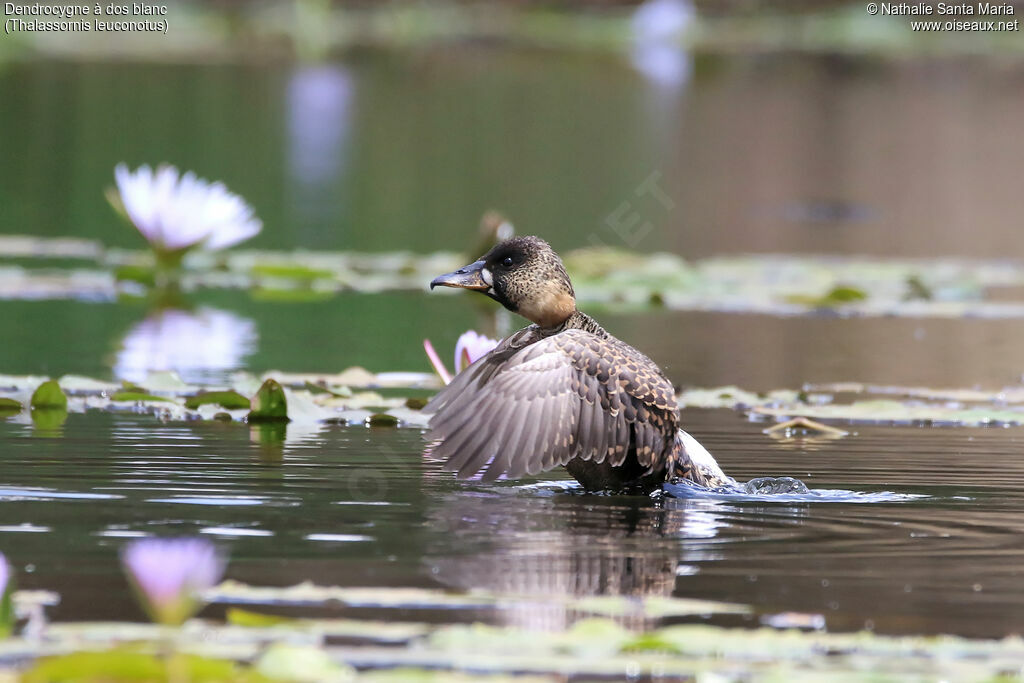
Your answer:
<point x="467" y="277"/>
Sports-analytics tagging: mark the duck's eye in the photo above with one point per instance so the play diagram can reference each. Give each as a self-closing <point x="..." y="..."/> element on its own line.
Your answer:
<point x="507" y="262"/>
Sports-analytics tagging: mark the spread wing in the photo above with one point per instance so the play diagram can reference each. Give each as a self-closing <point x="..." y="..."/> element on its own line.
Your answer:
<point x="528" y="408"/>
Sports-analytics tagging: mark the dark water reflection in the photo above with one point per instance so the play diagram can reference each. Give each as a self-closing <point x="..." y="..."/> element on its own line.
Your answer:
<point x="777" y="154"/>
<point x="353" y="506"/>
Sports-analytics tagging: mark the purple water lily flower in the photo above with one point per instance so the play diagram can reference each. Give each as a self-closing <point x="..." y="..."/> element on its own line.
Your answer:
<point x="176" y="211"/>
<point x="5" y="574"/>
<point x="470" y="347"/>
<point x="170" y="574"/>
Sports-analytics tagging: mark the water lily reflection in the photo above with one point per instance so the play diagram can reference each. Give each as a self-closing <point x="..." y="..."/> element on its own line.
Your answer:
<point x="658" y="51"/>
<point x="199" y="345"/>
<point x="319" y="118"/>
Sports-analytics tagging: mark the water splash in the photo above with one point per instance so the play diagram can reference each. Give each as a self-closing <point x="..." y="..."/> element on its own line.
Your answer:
<point x="784" y="490"/>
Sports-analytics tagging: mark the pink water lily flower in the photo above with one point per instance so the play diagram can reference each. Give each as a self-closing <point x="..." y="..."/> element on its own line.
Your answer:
<point x="6" y="613"/>
<point x="470" y="347"/>
<point x="176" y="211"/>
<point x="170" y="574"/>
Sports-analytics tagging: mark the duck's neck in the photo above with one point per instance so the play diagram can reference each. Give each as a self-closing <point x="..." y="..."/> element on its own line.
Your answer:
<point x="576" y="321"/>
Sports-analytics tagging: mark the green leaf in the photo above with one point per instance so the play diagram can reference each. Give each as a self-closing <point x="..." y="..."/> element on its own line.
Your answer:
<point x="844" y="294"/>
<point x="232" y="400"/>
<point x="302" y="663"/>
<point x="383" y="420"/>
<point x="7" y="617"/>
<point x="138" y="396"/>
<point x="838" y="295"/>
<point x="8" y="406"/>
<point x="291" y="271"/>
<point x="49" y="395"/>
<point x="269" y="404"/>
<point x="144" y="275"/>
<point x="244" y="617"/>
<point x="122" y="664"/>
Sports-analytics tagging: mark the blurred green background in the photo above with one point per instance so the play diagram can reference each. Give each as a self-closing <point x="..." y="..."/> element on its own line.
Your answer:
<point x="806" y="127"/>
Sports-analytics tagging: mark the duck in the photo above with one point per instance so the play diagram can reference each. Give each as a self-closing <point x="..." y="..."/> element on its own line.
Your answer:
<point x="561" y="392"/>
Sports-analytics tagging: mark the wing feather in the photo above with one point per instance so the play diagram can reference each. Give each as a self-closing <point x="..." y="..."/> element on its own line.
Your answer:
<point x="535" y="403"/>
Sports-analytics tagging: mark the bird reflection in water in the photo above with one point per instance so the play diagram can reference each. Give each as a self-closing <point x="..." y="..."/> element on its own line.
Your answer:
<point x="566" y="545"/>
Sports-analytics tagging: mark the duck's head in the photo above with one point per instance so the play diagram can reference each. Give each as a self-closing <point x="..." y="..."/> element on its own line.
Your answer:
<point x="523" y="274"/>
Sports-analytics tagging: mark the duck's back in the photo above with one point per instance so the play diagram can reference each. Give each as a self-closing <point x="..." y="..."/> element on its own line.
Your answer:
<point x="574" y="396"/>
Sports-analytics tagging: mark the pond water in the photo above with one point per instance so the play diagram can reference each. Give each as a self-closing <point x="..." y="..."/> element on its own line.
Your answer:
<point x="359" y="507"/>
<point x="383" y="152"/>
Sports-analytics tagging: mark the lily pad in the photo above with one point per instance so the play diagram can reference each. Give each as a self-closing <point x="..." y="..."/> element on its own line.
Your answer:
<point x="362" y="629"/>
<point x="49" y="396"/>
<point x="137" y="396"/>
<point x="129" y="666"/>
<point x="232" y="400"/>
<point x="837" y="296"/>
<point x="8" y="406"/>
<point x="308" y="593"/>
<point x="291" y="271"/>
<point x="302" y="664"/>
<point x="383" y="420"/>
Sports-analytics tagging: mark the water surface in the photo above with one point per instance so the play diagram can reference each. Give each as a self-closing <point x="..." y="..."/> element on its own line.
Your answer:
<point x="386" y="151"/>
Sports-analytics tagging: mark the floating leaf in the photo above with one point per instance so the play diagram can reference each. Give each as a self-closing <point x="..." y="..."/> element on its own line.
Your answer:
<point x="291" y="271"/>
<point x="232" y="400"/>
<point x="899" y="412"/>
<point x="244" y="617"/>
<point x="302" y="664"/>
<point x="8" y="406"/>
<point x="837" y="296"/>
<point x="917" y="289"/>
<point x="654" y="606"/>
<point x="49" y="395"/>
<point x="137" y="396"/>
<point x="383" y="420"/>
<point x="128" y="666"/>
<point x="269" y="404"/>
<point x="362" y="629"/>
<point x="319" y="388"/>
<point x="166" y="381"/>
<point x="308" y="593"/>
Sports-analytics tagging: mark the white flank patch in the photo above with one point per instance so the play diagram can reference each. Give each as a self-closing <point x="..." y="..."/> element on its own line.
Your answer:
<point x="700" y="457"/>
